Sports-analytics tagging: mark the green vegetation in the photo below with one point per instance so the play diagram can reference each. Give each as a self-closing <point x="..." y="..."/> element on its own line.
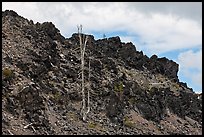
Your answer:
<point x="72" y="116"/>
<point x="96" y="126"/>
<point x="57" y="96"/>
<point x="92" y="125"/>
<point x="118" y="89"/>
<point x="7" y="73"/>
<point x="127" y="122"/>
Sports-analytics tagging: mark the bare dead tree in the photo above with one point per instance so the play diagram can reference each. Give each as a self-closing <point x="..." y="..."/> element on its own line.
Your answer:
<point x="83" y="44"/>
<point x="88" y="103"/>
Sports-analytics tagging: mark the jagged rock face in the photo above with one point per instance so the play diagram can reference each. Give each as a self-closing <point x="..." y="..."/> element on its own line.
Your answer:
<point x="113" y="47"/>
<point x="163" y="66"/>
<point x="41" y="85"/>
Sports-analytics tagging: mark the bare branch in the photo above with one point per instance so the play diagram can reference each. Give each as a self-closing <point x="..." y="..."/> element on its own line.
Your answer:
<point x="10" y="132"/>
<point x="27" y="125"/>
<point x="89" y="88"/>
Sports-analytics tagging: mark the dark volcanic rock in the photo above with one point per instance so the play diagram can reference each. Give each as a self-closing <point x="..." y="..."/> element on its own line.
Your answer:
<point x="129" y="92"/>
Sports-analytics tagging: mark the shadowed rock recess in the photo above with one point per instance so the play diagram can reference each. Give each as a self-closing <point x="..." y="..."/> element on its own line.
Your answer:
<point x="130" y="93"/>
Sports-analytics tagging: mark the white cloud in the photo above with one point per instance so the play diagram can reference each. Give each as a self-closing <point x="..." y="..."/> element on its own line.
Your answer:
<point x="191" y="65"/>
<point x="163" y="33"/>
<point x="172" y="30"/>
<point x="191" y="60"/>
<point x="189" y="10"/>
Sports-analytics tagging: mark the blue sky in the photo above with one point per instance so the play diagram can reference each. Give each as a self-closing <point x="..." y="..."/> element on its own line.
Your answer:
<point x="167" y="29"/>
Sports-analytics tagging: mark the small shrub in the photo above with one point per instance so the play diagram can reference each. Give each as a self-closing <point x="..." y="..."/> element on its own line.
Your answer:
<point x="118" y="88"/>
<point x="57" y="96"/>
<point x="7" y="73"/>
<point x="96" y="126"/>
<point x="127" y="122"/>
<point x="91" y="125"/>
<point x="72" y="116"/>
